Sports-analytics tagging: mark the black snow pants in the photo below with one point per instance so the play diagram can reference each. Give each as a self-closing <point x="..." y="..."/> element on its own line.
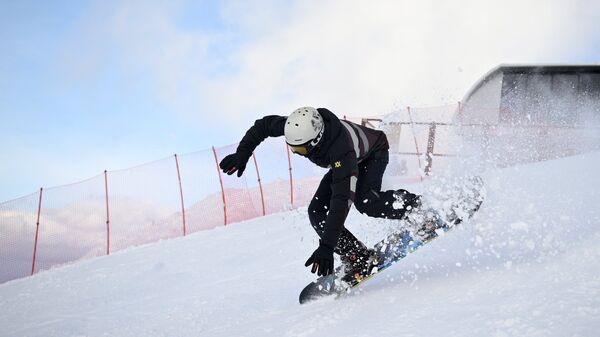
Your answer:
<point x="369" y="200"/>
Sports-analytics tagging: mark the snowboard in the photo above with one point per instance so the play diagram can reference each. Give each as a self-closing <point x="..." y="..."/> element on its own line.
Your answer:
<point x="420" y="227"/>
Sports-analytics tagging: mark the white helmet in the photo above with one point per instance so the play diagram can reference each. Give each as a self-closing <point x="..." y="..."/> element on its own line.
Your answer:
<point x="304" y="129"/>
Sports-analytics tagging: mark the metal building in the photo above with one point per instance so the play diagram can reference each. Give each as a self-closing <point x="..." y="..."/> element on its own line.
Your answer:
<point x="559" y="95"/>
<point x="530" y="113"/>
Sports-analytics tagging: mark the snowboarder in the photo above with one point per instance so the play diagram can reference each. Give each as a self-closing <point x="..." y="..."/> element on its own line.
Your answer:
<point x="356" y="156"/>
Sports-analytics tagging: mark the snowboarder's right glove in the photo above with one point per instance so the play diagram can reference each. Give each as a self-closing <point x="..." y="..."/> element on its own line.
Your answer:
<point x="321" y="260"/>
<point x="234" y="162"/>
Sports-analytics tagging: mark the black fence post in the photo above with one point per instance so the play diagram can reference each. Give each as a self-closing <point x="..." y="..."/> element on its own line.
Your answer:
<point x="430" y="144"/>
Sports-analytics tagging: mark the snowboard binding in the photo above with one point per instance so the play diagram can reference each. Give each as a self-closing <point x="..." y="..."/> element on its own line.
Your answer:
<point x="357" y="266"/>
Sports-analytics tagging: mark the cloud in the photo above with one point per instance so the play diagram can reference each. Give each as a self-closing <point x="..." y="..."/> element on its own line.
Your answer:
<point x="361" y="57"/>
<point x="356" y="57"/>
<point x="141" y="44"/>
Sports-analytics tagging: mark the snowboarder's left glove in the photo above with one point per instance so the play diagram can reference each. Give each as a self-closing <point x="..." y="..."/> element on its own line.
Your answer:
<point x="234" y="162"/>
<point x="321" y="260"/>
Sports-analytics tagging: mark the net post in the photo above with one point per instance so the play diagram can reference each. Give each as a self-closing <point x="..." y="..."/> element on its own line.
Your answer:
<point x="180" y="193"/>
<point x="262" y="197"/>
<point x="287" y="148"/>
<point x="37" y="230"/>
<point x="107" y="213"/>
<point x="222" y="189"/>
<point x="412" y="124"/>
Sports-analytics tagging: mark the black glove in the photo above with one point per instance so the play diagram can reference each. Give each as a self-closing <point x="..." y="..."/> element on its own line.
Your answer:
<point x="321" y="260"/>
<point x="234" y="162"/>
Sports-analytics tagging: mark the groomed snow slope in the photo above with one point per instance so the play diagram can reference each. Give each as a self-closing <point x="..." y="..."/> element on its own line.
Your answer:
<point x="528" y="264"/>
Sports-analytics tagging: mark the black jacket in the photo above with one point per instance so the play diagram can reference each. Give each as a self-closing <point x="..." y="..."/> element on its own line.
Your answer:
<point x="343" y="146"/>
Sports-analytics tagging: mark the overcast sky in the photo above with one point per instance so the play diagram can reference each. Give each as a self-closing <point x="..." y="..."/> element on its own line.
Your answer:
<point x="93" y="85"/>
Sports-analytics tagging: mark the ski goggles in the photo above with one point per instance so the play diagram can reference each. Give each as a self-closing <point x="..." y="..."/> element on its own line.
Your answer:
<point x="306" y="148"/>
<point x="302" y="149"/>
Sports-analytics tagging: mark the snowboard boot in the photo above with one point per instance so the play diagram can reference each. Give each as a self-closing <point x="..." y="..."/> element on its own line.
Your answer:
<point x="431" y="223"/>
<point x="358" y="265"/>
<point x="406" y="203"/>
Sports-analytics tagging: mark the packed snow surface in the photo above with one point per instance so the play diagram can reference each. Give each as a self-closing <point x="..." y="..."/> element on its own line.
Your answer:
<point x="528" y="264"/>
